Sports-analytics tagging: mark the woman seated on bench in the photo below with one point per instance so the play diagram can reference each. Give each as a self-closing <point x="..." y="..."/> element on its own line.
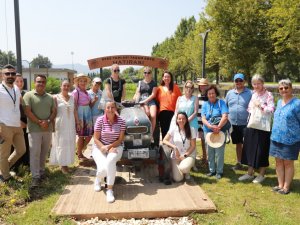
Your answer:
<point x="179" y="147"/>
<point x="107" y="149"/>
<point x="145" y="94"/>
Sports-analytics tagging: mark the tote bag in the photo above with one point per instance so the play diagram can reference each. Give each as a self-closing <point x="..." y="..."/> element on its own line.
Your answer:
<point x="259" y="120"/>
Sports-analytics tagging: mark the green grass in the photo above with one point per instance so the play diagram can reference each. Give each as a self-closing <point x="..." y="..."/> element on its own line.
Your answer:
<point x="245" y="202"/>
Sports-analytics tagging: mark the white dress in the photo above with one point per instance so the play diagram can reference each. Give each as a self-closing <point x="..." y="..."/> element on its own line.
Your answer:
<point x="64" y="137"/>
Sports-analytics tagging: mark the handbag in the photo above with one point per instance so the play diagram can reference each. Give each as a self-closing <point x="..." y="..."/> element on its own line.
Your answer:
<point x="259" y="120"/>
<point x="103" y="100"/>
<point x="215" y="120"/>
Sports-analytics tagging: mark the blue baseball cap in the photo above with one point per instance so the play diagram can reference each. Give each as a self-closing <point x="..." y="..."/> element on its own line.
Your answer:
<point x="239" y="76"/>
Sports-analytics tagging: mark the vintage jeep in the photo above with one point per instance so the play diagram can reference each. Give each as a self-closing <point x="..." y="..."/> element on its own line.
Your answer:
<point x="137" y="142"/>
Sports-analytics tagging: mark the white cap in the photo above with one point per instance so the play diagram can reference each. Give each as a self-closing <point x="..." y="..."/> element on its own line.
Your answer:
<point x="97" y="80"/>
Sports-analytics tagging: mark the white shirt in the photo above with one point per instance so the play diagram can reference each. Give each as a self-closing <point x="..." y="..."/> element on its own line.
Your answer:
<point x="10" y="105"/>
<point x="180" y="141"/>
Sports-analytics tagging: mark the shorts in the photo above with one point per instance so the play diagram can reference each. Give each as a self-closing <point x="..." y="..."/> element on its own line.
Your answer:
<point x="151" y="102"/>
<point x="237" y="135"/>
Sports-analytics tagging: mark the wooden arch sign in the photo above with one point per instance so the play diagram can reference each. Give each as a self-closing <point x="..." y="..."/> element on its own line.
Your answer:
<point x="140" y="60"/>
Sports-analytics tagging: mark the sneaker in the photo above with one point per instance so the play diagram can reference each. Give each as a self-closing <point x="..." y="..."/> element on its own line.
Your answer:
<point x="195" y="169"/>
<point x="258" y="179"/>
<point x="237" y="166"/>
<point x="218" y="176"/>
<point x="110" y="196"/>
<point x="246" y="177"/>
<point x="35" y="182"/>
<point x="187" y="176"/>
<point x="210" y="174"/>
<point x="97" y="185"/>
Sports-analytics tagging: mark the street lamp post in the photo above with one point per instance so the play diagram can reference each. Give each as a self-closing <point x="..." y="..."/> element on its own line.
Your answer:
<point x="204" y="38"/>
<point x="72" y="53"/>
<point x="29" y="68"/>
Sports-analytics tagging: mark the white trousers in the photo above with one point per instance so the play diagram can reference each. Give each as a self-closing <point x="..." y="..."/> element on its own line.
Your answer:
<point x="184" y="167"/>
<point x="106" y="163"/>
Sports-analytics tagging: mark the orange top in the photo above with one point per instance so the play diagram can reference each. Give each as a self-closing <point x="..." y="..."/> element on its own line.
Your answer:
<point x="167" y="99"/>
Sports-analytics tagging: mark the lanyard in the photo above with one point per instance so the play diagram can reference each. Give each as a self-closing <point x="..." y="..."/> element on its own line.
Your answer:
<point x="183" y="140"/>
<point x="13" y="99"/>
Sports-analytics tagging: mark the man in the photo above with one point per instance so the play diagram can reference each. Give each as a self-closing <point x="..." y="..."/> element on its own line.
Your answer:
<point x="202" y="85"/>
<point x="95" y="93"/>
<point x="237" y="101"/>
<point x="11" y="132"/>
<point x="41" y="111"/>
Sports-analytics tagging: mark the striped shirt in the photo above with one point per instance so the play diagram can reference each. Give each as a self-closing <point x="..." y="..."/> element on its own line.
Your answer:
<point x="202" y="99"/>
<point x="109" y="133"/>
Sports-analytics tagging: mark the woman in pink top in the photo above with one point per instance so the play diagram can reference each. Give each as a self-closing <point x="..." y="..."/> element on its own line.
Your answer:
<point x="85" y="125"/>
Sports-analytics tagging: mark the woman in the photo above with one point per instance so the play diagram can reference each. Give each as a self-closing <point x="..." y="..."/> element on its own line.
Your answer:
<point x="145" y="94"/>
<point x="285" y="138"/>
<point x="182" y="142"/>
<point x="24" y="160"/>
<point x="212" y="109"/>
<point x="107" y="148"/>
<point x="85" y="119"/>
<point x="63" y="139"/>
<point x="167" y="94"/>
<point x="256" y="146"/>
<point x="115" y="86"/>
<point x="95" y="94"/>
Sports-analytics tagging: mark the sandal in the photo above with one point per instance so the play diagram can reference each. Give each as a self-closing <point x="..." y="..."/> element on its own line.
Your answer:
<point x="283" y="191"/>
<point x="82" y="158"/>
<point x="276" y="188"/>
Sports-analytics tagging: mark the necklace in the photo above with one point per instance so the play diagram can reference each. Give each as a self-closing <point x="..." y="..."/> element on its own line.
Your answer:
<point x="182" y="139"/>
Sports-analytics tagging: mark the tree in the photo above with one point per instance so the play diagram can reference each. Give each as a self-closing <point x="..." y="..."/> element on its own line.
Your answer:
<point x="41" y="61"/>
<point x="7" y="58"/>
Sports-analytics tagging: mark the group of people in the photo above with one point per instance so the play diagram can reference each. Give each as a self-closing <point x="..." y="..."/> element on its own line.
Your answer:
<point x="52" y="122"/>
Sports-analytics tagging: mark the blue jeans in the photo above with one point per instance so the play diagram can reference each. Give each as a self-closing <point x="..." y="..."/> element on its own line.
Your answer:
<point x="215" y="158"/>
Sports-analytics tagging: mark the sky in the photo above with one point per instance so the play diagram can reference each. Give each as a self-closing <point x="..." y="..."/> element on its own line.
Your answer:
<point x="92" y="28"/>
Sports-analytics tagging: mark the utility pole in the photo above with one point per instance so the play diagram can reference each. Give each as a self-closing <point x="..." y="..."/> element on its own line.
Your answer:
<point x="204" y="38"/>
<point x="18" y="36"/>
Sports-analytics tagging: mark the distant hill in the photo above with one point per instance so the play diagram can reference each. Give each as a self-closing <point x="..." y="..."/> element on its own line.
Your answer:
<point x="78" y="67"/>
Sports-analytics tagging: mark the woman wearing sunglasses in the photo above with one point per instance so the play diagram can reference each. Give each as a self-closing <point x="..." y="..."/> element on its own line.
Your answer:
<point x="145" y="94"/>
<point x="115" y="86"/>
<point x="285" y="138"/>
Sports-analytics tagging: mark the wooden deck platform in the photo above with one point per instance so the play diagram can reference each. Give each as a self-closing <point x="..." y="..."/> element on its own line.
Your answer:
<point x="138" y="195"/>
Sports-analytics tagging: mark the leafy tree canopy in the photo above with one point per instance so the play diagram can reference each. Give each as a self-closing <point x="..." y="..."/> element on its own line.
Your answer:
<point x="41" y="62"/>
<point x="7" y="58"/>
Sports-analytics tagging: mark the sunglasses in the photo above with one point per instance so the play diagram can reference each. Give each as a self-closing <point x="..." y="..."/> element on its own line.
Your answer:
<point x="10" y="74"/>
<point x="116" y="71"/>
<point x="283" y="88"/>
<point x="41" y="82"/>
<point x="147" y="72"/>
<point x="238" y="81"/>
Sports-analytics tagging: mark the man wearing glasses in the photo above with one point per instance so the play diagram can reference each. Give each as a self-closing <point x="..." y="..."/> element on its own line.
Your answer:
<point x="41" y="111"/>
<point x="11" y="132"/>
<point x="237" y="101"/>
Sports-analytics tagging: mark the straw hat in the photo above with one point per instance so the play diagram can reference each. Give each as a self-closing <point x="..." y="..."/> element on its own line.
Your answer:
<point x="80" y="76"/>
<point x="202" y="82"/>
<point x="215" y="140"/>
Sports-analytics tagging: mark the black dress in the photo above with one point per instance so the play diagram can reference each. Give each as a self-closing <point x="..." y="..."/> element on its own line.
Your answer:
<point x="256" y="148"/>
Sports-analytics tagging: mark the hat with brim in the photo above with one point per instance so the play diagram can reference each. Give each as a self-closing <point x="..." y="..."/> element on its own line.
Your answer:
<point x="215" y="140"/>
<point x="81" y="76"/>
<point x="202" y="82"/>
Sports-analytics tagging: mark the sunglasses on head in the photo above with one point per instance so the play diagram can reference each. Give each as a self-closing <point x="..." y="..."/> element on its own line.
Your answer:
<point x="238" y="81"/>
<point x="283" y="88"/>
<point x="117" y="71"/>
<point x="10" y="73"/>
<point x="147" y="72"/>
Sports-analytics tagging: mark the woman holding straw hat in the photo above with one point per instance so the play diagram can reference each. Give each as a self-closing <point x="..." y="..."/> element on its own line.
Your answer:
<point x="211" y="110"/>
<point x="82" y="101"/>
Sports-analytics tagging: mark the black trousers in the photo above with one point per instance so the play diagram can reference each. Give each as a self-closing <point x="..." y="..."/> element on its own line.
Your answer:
<point x="164" y="118"/>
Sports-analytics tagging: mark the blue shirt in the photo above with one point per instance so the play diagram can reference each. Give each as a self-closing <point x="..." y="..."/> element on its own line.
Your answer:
<point x="286" y="123"/>
<point x="237" y="104"/>
<point x="213" y="109"/>
<point x="95" y="110"/>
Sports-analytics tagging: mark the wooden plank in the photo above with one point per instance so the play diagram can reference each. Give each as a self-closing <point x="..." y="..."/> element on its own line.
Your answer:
<point x="138" y="196"/>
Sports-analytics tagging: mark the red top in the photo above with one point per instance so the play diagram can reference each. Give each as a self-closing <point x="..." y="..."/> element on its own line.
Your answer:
<point x="167" y="99"/>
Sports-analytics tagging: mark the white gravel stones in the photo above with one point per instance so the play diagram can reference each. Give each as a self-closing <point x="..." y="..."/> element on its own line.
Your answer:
<point x="163" y="221"/>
